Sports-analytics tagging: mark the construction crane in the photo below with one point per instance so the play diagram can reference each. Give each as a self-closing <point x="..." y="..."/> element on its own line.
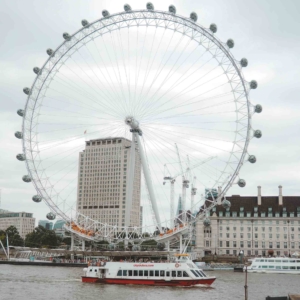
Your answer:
<point x="185" y="184"/>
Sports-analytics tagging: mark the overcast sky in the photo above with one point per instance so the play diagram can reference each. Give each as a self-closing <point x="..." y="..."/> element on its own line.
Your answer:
<point x="266" y="32"/>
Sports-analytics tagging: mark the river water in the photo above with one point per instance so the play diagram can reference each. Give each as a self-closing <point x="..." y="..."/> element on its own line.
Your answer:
<point x="47" y="283"/>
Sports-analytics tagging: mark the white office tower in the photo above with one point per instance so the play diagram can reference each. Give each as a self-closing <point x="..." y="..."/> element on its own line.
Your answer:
<point x="102" y="178"/>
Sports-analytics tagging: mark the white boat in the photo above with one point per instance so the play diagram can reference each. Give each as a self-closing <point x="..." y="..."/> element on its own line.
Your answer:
<point x="180" y="272"/>
<point x="282" y="265"/>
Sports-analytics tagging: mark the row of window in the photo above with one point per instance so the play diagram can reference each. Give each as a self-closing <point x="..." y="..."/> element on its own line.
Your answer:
<point x="255" y="222"/>
<point x="249" y="252"/>
<point x="278" y="261"/>
<point x="152" y="273"/>
<point x="249" y="236"/>
<point x="255" y="215"/>
<point x="263" y="244"/>
<point x="285" y="229"/>
<point x="279" y="267"/>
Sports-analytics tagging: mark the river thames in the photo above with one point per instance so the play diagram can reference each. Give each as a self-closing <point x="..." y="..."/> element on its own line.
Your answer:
<point x="36" y="283"/>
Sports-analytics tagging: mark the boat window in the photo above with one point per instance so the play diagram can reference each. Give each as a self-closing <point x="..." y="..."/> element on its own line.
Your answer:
<point x="292" y="261"/>
<point x="271" y="267"/>
<point x="199" y="273"/>
<point x="204" y="275"/>
<point x="119" y="273"/>
<point x="135" y="273"/>
<point x="91" y="270"/>
<point x="293" y="268"/>
<point x="140" y="273"/>
<point x="185" y="274"/>
<point x="146" y="273"/>
<point x="278" y="267"/>
<point x="168" y="274"/>
<point x="179" y="273"/>
<point x="271" y="260"/>
<point x="151" y="273"/>
<point x="195" y="273"/>
<point x="277" y="261"/>
<point x="285" y="267"/>
<point x="162" y="273"/>
<point x="264" y="267"/>
<point x="259" y="267"/>
<point x="124" y="272"/>
<point x="130" y="273"/>
<point x="156" y="273"/>
<point x="298" y="268"/>
<point x="284" y="261"/>
<point x="95" y="270"/>
<point x="173" y="273"/>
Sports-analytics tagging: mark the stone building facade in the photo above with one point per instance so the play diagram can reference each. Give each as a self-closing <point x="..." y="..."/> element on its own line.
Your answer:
<point x="257" y="225"/>
<point x="23" y="221"/>
<point x="102" y="178"/>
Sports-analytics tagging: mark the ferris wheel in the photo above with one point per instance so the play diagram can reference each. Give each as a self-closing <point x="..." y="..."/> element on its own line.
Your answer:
<point x="159" y="80"/>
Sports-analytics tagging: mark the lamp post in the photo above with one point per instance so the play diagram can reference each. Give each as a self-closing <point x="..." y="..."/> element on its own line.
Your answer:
<point x="215" y="244"/>
<point x="241" y="254"/>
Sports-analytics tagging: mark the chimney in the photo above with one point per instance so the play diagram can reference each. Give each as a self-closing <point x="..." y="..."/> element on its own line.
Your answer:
<point x="259" y="195"/>
<point x="280" y="195"/>
<point x="219" y="195"/>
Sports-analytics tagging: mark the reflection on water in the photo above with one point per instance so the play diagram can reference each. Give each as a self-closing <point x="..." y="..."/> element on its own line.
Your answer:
<point x="36" y="283"/>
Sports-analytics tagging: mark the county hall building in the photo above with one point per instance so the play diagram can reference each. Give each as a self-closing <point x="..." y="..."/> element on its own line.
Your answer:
<point x="257" y="225"/>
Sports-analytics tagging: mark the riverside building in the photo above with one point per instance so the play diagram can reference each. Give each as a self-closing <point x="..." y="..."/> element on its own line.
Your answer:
<point x="260" y="226"/>
<point x="23" y="221"/>
<point x="102" y="178"/>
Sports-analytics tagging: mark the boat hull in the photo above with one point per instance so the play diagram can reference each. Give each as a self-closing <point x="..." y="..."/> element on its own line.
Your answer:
<point x="124" y="281"/>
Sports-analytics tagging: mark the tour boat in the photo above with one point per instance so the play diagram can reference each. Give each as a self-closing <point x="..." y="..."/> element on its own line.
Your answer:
<point x="275" y="265"/>
<point x="179" y="272"/>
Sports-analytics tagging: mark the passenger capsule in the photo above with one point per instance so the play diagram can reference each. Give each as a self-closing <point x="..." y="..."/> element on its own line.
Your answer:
<point x="226" y="204"/>
<point x="230" y="43"/>
<point x="105" y="13"/>
<point x="194" y="16"/>
<point x="213" y="27"/>
<point x="241" y="183"/>
<point x="127" y="7"/>
<point x="206" y="222"/>
<point x="18" y="135"/>
<point x="252" y="159"/>
<point x="37" y="198"/>
<point x="20" y="112"/>
<point x="172" y="9"/>
<point x="244" y="62"/>
<point x="21" y="157"/>
<point x="36" y="70"/>
<point x="66" y="36"/>
<point x="85" y="23"/>
<point x="50" y="52"/>
<point x="149" y="6"/>
<point x="253" y="84"/>
<point x="26" y="178"/>
<point x="26" y="91"/>
<point x="50" y="216"/>
<point x="258" y="108"/>
<point x="258" y="134"/>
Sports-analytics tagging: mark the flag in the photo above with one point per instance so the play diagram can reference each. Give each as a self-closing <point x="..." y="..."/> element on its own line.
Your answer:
<point x="84" y="132"/>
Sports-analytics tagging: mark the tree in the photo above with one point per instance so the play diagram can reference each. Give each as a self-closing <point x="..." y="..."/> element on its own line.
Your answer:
<point x="14" y="238"/>
<point x="42" y="237"/>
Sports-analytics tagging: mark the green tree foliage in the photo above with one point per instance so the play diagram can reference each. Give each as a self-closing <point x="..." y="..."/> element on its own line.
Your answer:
<point x="42" y="237"/>
<point x="14" y="238"/>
